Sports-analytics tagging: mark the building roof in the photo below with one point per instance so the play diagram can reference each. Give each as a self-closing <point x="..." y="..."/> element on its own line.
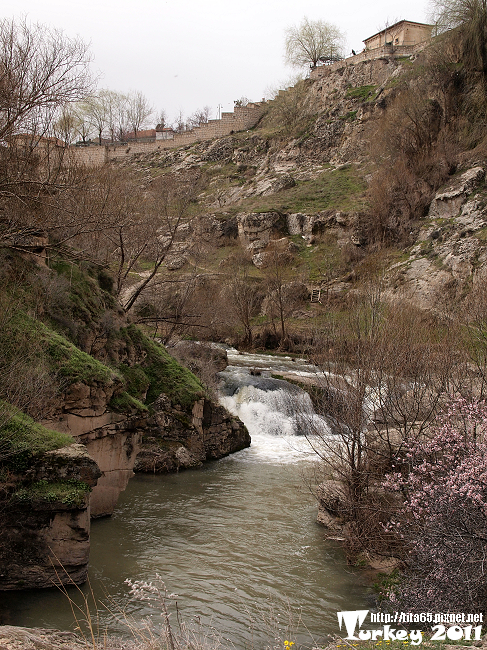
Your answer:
<point x="394" y="26"/>
<point x="144" y="133"/>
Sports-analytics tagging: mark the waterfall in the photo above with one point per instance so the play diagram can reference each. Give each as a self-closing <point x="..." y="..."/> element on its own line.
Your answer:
<point x="269" y="407"/>
<point x="236" y="540"/>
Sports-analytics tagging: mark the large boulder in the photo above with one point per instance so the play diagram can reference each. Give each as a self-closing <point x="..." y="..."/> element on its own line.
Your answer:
<point x="255" y="229"/>
<point x="175" y="441"/>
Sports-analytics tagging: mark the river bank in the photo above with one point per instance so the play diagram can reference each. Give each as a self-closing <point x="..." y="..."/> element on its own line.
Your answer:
<point x="235" y="540"/>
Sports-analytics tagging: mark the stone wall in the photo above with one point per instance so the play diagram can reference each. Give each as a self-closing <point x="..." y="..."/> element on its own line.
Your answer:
<point x="385" y="51"/>
<point x="243" y="118"/>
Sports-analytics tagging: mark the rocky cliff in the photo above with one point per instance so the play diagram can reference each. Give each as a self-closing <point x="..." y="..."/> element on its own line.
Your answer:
<point x="46" y="521"/>
<point x="319" y="183"/>
<point x="173" y="441"/>
<point x="99" y="411"/>
<point x="448" y="259"/>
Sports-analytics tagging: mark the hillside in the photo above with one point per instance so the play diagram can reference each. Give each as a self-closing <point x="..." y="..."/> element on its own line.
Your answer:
<point x="349" y="225"/>
<point x="333" y="188"/>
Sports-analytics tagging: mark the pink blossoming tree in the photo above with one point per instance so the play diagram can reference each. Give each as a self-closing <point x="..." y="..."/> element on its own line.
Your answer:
<point x="443" y="521"/>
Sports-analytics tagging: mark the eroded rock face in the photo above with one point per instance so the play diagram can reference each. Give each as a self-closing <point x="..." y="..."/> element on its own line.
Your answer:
<point x="256" y="229"/>
<point x="310" y="225"/>
<point x="271" y="185"/>
<point x="448" y="201"/>
<point x="222" y="433"/>
<point x="450" y="253"/>
<point x="111" y="439"/>
<point x="46" y="541"/>
<point x="114" y="448"/>
<point x="175" y="441"/>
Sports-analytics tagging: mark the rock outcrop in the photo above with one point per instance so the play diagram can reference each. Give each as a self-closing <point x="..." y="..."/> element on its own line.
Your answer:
<point x="111" y="439"/>
<point x="174" y="441"/>
<point x="449" y="253"/>
<point x="27" y="638"/>
<point x="46" y="528"/>
<point x="449" y="200"/>
<point x="255" y="230"/>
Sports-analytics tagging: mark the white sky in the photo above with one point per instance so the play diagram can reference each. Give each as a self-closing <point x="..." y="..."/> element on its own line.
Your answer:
<point x="185" y="54"/>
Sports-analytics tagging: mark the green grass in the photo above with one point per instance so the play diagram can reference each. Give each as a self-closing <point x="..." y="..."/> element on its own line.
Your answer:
<point x="68" y="492"/>
<point x="321" y="261"/>
<point x="349" y="117"/>
<point x="88" y="292"/>
<point x="136" y="380"/>
<point x="361" y="92"/>
<point x="481" y="235"/>
<point x="22" y="439"/>
<point x="340" y="189"/>
<point x="162" y="372"/>
<point x="20" y="432"/>
<point x="125" y="403"/>
<point x="70" y="363"/>
<point x="62" y="356"/>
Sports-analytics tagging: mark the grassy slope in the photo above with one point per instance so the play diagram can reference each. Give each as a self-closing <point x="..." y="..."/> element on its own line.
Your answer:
<point x="151" y="372"/>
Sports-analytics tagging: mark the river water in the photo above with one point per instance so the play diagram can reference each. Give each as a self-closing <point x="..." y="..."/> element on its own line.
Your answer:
<point x="236" y="541"/>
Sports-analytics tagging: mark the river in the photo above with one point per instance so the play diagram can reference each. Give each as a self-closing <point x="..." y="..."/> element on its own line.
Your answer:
<point x="236" y="541"/>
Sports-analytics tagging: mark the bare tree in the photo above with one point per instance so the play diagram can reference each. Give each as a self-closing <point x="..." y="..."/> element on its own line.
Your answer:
<point x="277" y="300"/>
<point x="82" y="126"/>
<point x="41" y="70"/>
<point x="311" y="42"/>
<point x="96" y="113"/>
<point x="41" y="73"/>
<point x="66" y="126"/>
<point x="120" y="115"/>
<point x="242" y="101"/>
<point x="383" y="383"/>
<point x="107" y="111"/>
<point x="390" y="31"/>
<point x="143" y="226"/>
<point x="243" y="296"/>
<point x="200" y="116"/>
<point x="469" y="17"/>
<point x="138" y="111"/>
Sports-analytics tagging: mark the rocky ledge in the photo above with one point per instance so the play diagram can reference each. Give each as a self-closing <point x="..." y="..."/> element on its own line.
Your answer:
<point x="173" y="441"/>
<point x="25" y="638"/>
<point x="46" y="528"/>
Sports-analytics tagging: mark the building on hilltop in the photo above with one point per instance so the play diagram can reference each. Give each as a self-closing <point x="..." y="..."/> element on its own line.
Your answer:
<point x="403" y="33"/>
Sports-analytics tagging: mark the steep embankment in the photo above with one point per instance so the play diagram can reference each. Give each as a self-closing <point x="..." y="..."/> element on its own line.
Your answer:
<point x="336" y="182"/>
<point x="98" y="387"/>
<point x="448" y="260"/>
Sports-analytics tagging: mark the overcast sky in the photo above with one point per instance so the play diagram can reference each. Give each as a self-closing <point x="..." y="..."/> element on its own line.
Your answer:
<point x="186" y="54"/>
